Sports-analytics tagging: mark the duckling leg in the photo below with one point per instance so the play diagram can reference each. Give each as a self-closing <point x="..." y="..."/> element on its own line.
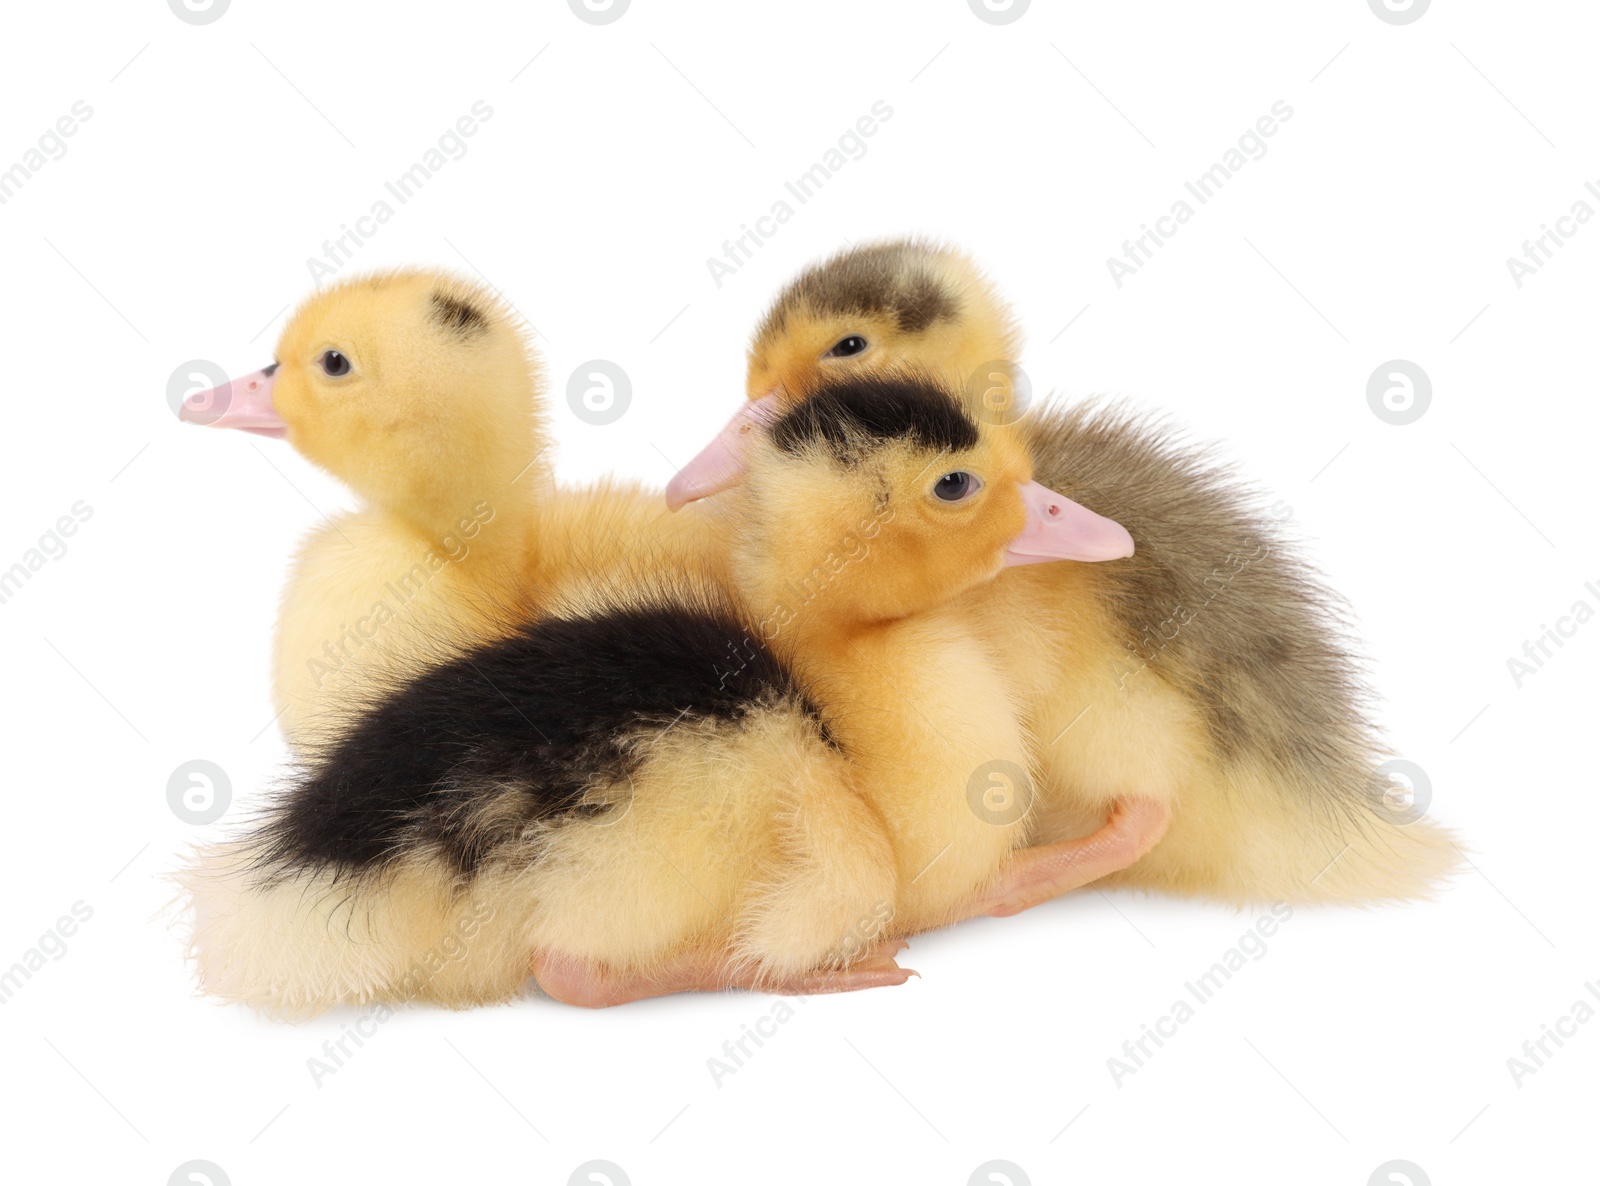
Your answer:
<point x="1033" y="875"/>
<point x="1046" y="871"/>
<point x="594" y="986"/>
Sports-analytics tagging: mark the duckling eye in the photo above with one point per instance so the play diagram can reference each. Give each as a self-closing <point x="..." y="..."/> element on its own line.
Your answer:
<point x="334" y="364"/>
<point x="954" y="487"/>
<point x="845" y="347"/>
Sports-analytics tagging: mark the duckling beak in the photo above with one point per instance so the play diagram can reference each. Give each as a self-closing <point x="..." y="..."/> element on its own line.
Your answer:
<point x="239" y="403"/>
<point x="1060" y="529"/>
<point x="719" y="464"/>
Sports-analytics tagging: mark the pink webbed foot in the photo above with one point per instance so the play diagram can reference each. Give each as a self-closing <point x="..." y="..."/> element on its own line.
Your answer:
<point x="1046" y="871"/>
<point x="594" y="986"/>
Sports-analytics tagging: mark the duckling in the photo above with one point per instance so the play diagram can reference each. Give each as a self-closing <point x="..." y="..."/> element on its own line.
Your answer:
<point x="882" y="306"/>
<point x="643" y="776"/>
<point x="422" y="393"/>
<point x="366" y="384"/>
<point x="599" y="787"/>
<point x="1195" y="693"/>
<point x="878" y="307"/>
<point x="876" y="621"/>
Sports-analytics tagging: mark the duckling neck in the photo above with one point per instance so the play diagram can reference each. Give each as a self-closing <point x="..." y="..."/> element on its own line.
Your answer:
<point x="487" y="525"/>
<point x="838" y="647"/>
<point x="921" y="709"/>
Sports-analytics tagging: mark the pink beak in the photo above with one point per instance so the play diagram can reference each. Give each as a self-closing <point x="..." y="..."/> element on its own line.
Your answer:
<point x="719" y="464"/>
<point x="240" y="403"/>
<point x="1060" y="529"/>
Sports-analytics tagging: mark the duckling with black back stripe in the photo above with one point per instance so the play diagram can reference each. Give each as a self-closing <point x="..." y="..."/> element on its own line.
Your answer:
<point x="1200" y="686"/>
<point x="646" y="775"/>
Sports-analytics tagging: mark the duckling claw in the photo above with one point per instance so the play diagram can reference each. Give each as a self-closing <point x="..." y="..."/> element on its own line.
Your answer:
<point x="876" y="973"/>
<point x="593" y="986"/>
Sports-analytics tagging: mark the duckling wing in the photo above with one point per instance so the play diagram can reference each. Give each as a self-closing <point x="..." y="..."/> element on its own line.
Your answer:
<point x="512" y="734"/>
<point x="1260" y="653"/>
<point x="1291" y="801"/>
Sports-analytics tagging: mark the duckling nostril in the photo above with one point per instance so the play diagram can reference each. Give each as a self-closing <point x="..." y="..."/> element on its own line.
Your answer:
<point x="1053" y="509"/>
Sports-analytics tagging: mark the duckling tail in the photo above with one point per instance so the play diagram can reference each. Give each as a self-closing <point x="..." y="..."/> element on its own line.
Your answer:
<point x="297" y="943"/>
<point x="1255" y="837"/>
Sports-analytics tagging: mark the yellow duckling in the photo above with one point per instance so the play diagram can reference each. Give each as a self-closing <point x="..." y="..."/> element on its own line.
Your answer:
<point x="1199" y="681"/>
<point x="421" y="392"/>
<point x="624" y="785"/>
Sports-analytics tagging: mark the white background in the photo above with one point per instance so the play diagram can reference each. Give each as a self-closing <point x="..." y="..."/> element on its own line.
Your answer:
<point x="218" y="158"/>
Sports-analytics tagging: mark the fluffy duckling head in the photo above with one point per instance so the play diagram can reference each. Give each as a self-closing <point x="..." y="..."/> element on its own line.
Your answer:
<point x="882" y="496"/>
<point x="880" y="307"/>
<point x="416" y="388"/>
<point x="875" y="309"/>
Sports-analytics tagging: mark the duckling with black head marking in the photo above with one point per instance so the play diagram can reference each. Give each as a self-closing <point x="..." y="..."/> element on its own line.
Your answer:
<point x="869" y="515"/>
<point x="872" y="309"/>
<point x="876" y="307"/>
<point x="915" y="697"/>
